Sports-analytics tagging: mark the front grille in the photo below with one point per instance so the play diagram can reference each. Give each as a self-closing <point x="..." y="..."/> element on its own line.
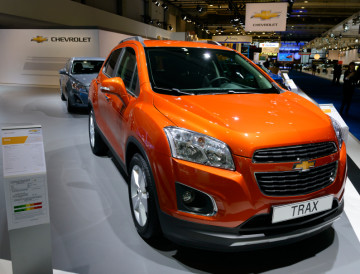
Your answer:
<point x="294" y="153"/>
<point x="293" y="183"/>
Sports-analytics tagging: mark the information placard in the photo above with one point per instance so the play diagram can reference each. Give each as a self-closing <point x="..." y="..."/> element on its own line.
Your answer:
<point x="25" y="176"/>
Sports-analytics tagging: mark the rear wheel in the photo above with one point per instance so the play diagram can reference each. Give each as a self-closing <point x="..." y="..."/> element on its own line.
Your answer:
<point x="142" y="198"/>
<point x="97" y="144"/>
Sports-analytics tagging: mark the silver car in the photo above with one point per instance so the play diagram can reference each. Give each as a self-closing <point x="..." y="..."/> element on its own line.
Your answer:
<point x="75" y="79"/>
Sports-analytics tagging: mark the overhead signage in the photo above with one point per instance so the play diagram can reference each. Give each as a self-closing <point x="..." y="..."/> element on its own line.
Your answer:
<point x="269" y="45"/>
<point x="272" y="51"/>
<point x="24" y="177"/>
<point x="232" y="39"/>
<point x="265" y="17"/>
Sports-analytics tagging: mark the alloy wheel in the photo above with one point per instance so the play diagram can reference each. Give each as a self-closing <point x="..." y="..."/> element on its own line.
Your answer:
<point x="139" y="195"/>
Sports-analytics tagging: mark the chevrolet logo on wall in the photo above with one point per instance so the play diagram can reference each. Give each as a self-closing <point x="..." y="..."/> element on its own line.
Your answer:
<point x="304" y="165"/>
<point x="266" y="15"/>
<point x="39" y="39"/>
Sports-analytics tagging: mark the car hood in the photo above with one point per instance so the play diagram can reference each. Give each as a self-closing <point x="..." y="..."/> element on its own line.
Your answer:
<point x="85" y="79"/>
<point x="247" y="122"/>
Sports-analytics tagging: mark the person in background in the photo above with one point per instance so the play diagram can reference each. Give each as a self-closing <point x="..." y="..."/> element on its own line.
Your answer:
<point x="266" y="63"/>
<point x="337" y="74"/>
<point x="348" y="87"/>
<point x="313" y="68"/>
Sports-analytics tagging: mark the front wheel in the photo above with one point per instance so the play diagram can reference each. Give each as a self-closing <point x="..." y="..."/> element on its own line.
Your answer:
<point x="142" y="198"/>
<point x="97" y="144"/>
<point x="69" y="105"/>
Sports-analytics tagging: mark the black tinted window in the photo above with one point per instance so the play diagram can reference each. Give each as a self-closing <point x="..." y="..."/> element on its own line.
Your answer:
<point x="111" y="62"/>
<point x="86" y="66"/>
<point x="128" y="71"/>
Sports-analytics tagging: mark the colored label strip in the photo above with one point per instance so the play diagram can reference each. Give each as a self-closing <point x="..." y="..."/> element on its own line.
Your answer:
<point x="27" y="207"/>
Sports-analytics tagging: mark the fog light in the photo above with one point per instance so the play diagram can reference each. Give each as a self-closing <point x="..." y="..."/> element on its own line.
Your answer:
<point x="188" y="197"/>
<point x="194" y="201"/>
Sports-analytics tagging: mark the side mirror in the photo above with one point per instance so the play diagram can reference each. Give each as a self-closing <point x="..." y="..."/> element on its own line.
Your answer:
<point x="62" y="71"/>
<point x="115" y="86"/>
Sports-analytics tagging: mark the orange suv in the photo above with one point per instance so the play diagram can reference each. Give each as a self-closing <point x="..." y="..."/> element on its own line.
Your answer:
<point x="218" y="155"/>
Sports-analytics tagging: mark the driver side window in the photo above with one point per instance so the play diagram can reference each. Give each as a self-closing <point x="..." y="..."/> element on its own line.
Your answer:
<point x="127" y="71"/>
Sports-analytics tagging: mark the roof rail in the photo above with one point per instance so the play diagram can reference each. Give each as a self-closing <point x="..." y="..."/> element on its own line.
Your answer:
<point x="134" y="38"/>
<point x="213" y="43"/>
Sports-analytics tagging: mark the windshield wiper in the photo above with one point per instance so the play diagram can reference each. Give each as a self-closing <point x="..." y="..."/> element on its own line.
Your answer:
<point x="239" y="92"/>
<point x="170" y="91"/>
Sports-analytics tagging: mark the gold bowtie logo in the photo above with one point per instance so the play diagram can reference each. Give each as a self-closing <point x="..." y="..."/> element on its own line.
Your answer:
<point x="39" y="39"/>
<point x="304" y="165"/>
<point x="266" y="15"/>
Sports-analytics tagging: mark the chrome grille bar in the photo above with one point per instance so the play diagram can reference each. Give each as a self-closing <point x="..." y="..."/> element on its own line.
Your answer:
<point x="293" y="183"/>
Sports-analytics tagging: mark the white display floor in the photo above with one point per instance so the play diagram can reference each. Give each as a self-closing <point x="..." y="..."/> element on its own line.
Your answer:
<point x="91" y="225"/>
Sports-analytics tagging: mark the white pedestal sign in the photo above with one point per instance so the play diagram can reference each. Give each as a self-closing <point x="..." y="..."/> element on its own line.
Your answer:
<point x="26" y="197"/>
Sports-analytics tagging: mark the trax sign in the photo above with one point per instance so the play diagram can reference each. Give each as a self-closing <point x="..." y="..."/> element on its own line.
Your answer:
<point x="297" y="210"/>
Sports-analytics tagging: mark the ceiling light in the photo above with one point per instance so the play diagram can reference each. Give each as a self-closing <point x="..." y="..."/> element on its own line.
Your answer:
<point x="165" y="7"/>
<point x="183" y="17"/>
<point x="199" y="8"/>
<point x="157" y="3"/>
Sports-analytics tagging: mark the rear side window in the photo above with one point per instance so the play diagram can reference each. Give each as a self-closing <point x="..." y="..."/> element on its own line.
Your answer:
<point x="128" y="71"/>
<point x="111" y="62"/>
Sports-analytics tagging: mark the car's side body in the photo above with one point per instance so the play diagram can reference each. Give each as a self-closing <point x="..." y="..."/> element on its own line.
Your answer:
<point x="238" y="210"/>
<point x="75" y="79"/>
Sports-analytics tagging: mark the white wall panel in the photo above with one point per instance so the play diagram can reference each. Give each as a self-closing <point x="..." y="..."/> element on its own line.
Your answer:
<point x="24" y="61"/>
<point x="108" y="40"/>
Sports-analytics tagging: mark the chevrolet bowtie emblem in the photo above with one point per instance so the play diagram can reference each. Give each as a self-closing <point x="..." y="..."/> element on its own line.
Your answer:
<point x="39" y="39"/>
<point x="266" y="15"/>
<point x="304" y="165"/>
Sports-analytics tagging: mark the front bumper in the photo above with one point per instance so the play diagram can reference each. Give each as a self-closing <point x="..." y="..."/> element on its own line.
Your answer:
<point x="255" y="233"/>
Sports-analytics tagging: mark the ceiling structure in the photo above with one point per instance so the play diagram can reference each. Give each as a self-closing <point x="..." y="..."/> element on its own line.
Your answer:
<point x="306" y="19"/>
<point x="344" y="36"/>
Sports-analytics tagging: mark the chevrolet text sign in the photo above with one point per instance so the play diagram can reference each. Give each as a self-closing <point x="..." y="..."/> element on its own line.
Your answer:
<point x="266" y="17"/>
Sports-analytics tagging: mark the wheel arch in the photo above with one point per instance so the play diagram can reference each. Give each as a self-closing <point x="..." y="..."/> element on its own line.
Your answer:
<point x="133" y="146"/>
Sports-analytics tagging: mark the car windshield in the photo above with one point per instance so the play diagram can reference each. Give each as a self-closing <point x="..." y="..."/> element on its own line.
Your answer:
<point x="178" y="71"/>
<point x="86" y="67"/>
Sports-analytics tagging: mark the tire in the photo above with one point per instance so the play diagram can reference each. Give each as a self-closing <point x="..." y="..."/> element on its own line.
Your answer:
<point x="142" y="199"/>
<point x="62" y="96"/>
<point x="69" y="105"/>
<point x="97" y="144"/>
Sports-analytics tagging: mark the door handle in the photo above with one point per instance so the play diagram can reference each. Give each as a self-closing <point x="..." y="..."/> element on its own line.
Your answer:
<point x="105" y="89"/>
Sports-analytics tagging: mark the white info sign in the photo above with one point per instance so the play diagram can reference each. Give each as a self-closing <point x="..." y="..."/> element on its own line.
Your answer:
<point x="25" y="176"/>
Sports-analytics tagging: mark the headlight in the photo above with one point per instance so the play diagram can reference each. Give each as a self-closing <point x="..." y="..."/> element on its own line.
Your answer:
<point x="78" y="86"/>
<point x="198" y="148"/>
<point x="338" y="131"/>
